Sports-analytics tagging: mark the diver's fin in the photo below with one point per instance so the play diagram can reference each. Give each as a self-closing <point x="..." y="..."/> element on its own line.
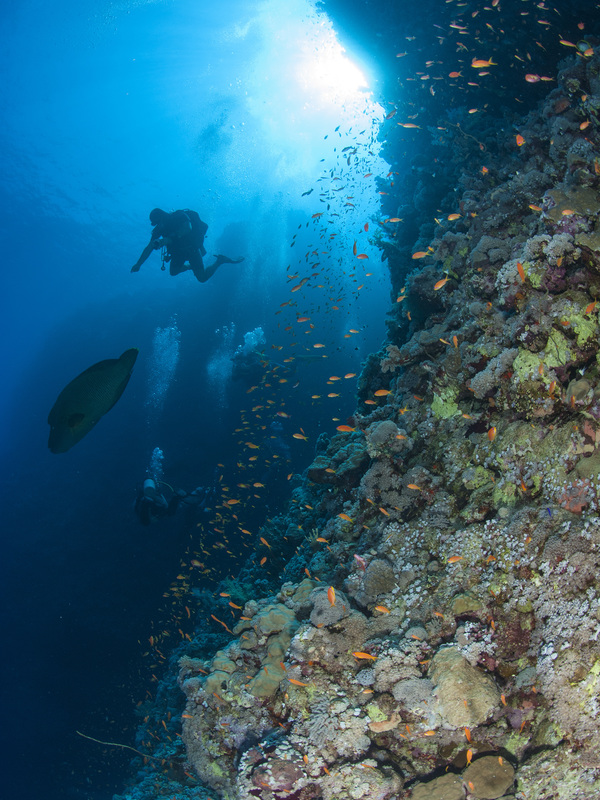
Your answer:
<point x="221" y="259"/>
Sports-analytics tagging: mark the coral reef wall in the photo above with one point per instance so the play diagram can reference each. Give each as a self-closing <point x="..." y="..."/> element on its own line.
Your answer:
<point x="438" y="636"/>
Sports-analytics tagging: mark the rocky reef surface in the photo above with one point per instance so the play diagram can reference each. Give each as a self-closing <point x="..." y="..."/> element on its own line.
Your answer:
<point x="437" y="636"/>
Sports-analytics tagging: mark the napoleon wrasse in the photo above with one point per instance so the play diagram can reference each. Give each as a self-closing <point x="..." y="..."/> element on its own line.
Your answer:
<point x="87" y="398"/>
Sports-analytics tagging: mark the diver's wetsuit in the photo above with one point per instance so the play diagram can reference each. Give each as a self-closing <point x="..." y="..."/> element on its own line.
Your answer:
<point x="182" y="234"/>
<point x="184" y="244"/>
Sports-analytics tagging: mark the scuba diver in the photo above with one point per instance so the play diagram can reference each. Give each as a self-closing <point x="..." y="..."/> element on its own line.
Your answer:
<point x="181" y="235"/>
<point x="151" y="504"/>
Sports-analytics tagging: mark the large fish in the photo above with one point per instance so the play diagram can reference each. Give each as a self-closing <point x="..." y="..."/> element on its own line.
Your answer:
<point x="87" y="398"/>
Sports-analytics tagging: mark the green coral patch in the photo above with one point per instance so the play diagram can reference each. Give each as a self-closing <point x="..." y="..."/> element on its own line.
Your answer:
<point x="444" y="403"/>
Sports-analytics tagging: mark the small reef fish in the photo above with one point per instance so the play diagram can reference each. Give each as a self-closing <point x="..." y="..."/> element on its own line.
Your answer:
<point x="479" y="63"/>
<point x="361" y="562"/>
<point x="331" y="595"/>
<point x="221" y="623"/>
<point x="360" y="654"/>
<point x="440" y="283"/>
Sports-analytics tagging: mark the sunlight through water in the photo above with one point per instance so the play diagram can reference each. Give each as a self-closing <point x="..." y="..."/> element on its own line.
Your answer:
<point x="329" y="77"/>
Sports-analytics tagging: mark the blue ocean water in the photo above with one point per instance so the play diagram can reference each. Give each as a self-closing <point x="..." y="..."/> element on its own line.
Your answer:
<point x="111" y="109"/>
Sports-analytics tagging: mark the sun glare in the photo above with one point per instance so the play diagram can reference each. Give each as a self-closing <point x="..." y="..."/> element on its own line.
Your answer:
<point x="329" y="74"/>
<point x="326" y="75"/>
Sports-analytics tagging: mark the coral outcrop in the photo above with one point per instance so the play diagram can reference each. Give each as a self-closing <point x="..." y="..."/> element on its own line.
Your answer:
<point x="459" y="656"/>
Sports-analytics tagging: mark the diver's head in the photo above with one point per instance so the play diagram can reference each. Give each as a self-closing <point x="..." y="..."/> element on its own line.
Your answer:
<point x="157" y="215"/>
<point x="150" y="490"/>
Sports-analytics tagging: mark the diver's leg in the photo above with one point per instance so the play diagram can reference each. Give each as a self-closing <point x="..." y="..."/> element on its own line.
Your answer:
<point x="177" y="264"/>
<point x="208" y="272"/>
<point x="197" y="267"/>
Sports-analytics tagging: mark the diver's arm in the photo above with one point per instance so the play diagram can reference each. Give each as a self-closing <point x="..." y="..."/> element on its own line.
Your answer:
<point x="145" y="253"/>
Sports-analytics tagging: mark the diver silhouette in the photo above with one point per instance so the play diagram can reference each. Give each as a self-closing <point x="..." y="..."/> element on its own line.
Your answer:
<point x="151" y="504"/>
<point x="181" y="233"/>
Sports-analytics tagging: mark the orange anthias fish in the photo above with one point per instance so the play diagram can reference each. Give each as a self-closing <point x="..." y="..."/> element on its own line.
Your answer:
<point x="439" y="284"/>
<point x="345" y="428"/>
<point x="480" y="63"/>
<point x="360" y="654"/>
<point x="331" y="595"/>
<point x="382" y="392"/>
<point x="345" y="517"/>
<point x="520" y="140"/>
